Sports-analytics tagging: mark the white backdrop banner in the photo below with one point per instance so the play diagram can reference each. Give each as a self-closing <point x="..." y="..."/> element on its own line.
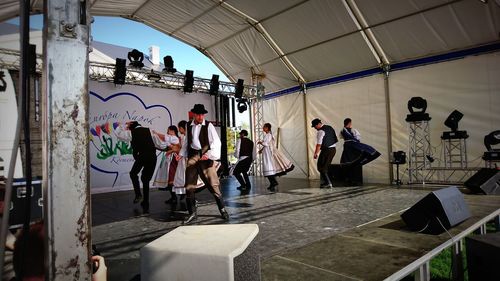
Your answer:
<point x="469" y="85"/>
<point x="111" y="159"/>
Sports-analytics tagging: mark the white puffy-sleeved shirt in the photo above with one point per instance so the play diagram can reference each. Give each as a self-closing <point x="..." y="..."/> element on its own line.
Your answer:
<point x="213" y="140"/>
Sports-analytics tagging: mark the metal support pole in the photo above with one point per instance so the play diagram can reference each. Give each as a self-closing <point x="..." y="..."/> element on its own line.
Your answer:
<point x="386" y="69"/>
<point x="257" y="119"/>
<point x="482" y="229"/>
<point x="423" y="273"/>
<point x="497" y="223"/>
<point x="306" y="126"/>
<point x="65" y="140"/>
<point x="457" y="262"/>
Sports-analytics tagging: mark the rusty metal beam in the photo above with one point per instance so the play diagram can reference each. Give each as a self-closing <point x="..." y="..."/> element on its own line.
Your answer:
<point x="65" y="140"/>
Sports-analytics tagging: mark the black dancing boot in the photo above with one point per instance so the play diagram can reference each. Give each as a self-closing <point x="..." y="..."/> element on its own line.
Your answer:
<point x="173" y="198"/>
<point x="192" y="211"/>
<point x="223" y="213"/>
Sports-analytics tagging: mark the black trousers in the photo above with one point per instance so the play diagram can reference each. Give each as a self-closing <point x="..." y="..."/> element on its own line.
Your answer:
<point x="147" y="164"/>
<point x="241" y="172"/>
<point x="324" y="160"/>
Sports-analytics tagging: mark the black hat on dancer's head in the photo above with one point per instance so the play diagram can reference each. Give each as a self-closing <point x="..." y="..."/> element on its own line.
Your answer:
<point x="244" y="132"/>
<point x="315" y="122"/>
<point x="133" y="124"/>
<point x="199" y="109"/>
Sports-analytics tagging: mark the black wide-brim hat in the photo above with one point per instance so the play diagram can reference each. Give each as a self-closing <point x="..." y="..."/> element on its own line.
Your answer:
<point x="315" y="122"/>
<point x="199" y="109"/>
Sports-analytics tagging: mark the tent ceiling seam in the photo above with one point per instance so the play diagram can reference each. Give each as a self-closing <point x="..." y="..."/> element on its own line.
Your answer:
<point x="33" y="4"/>
<point x="255" y="22"/>
<point x="269" y="40"/>
<point x="195" y="18"/>
<point x="93" y="3"/>
<point x="343" y="35"/>
<point x="140" y="7"/>
<point x="368" y="36"/>
<point x="219" y="65"/>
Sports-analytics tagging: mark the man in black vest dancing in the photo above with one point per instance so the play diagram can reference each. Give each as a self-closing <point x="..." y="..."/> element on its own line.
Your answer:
<point x="326" y="140"/>
<point x="245" y="152"/>
<point x="203" y="148"/>
<point x="144" y="153"/>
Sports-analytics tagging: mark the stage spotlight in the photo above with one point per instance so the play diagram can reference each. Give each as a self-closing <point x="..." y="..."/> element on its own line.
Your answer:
<point x="188" y="81"/>
<point x="238" y="89"/>
<point x="420" y="115"/>
<point x="169" y="64"/>
<point x="136" y="57"/>
<point x="154" y="76"/>
<point x="490" y="139"/>
<point x="120" y="71"/>
<point x="418" y="103"/>
<point x="214" y="85"/>
<point x="242" y="105"/>
<point x="452" y="123"/>
<point x="452" y="120"/>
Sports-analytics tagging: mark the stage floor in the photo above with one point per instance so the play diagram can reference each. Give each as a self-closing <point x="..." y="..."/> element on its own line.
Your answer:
<point x="291" y="220"/>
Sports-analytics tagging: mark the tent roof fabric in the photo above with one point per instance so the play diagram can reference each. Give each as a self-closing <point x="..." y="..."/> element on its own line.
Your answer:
<point x="289" y="42"/>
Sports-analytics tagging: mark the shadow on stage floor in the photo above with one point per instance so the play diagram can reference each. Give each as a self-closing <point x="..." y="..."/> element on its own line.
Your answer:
<point x="118" y="206"/>
<point x="298" y="214"/>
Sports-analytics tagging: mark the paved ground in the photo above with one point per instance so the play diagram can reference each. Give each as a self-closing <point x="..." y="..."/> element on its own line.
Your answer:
<point x="299" y="214"/>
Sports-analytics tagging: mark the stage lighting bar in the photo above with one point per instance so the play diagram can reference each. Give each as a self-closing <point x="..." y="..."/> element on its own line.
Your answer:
<point x="10" y="59"/>
<point x="104" y="72"/>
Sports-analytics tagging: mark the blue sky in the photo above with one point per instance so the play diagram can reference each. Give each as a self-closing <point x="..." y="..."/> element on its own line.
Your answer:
<point x="134" y="35"/>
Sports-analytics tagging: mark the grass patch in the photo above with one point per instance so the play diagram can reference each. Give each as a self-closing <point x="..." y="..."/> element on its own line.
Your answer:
<point x="440" y="265"/>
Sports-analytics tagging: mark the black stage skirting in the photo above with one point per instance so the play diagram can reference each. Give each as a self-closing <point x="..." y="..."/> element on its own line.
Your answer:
<point x="346" y="175"/>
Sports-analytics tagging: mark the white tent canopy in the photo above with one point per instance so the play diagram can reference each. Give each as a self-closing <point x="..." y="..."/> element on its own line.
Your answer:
<point x="293" y="41"/>
<point x="321" y="42"/>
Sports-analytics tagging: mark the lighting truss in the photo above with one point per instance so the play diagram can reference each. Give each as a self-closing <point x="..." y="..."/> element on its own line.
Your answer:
<point x="11" y="60"/>
<point x="104" y="72"/>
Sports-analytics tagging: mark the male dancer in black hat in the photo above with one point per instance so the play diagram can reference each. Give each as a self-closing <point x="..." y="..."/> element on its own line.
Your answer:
<point x="203" y="148"/>
<point x="326" y="140"/>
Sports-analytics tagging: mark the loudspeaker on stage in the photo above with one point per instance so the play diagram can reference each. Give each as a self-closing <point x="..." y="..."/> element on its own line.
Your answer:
<point x="485" y="181"/>
<point x="439" y="210"/>
<point x="483" y="256"/>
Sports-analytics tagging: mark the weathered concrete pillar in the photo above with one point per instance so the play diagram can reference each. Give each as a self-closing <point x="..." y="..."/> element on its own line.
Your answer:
<point x="65" y="165"/>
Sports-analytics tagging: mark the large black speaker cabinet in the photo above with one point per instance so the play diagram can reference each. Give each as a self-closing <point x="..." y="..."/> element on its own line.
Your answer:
<point x="440" y="209"/>
<point x="483" y="257"/>
<point x="485" y="181"/>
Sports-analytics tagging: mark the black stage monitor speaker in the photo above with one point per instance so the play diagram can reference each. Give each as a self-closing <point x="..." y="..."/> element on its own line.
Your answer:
<point x="188" y="81"/>
<point x="18" y="202"/>
<point x="120" y="71"/>
<point x="485" y="181"/>
<point x="440" y="209"/>
<point x="238" y="89"/>
<point x="483" y="256"/>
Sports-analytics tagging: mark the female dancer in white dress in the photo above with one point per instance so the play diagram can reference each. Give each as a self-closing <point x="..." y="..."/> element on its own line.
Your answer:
<point x="181" y="154"/>
<point x="274" y="163"/>
<point x="165" y="173"/>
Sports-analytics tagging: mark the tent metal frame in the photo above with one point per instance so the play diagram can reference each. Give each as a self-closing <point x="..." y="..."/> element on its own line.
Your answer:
<point x="419" y="146"/>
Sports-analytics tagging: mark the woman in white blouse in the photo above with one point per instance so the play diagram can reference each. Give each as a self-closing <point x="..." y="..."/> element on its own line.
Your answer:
<point x="274" y="163"/>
